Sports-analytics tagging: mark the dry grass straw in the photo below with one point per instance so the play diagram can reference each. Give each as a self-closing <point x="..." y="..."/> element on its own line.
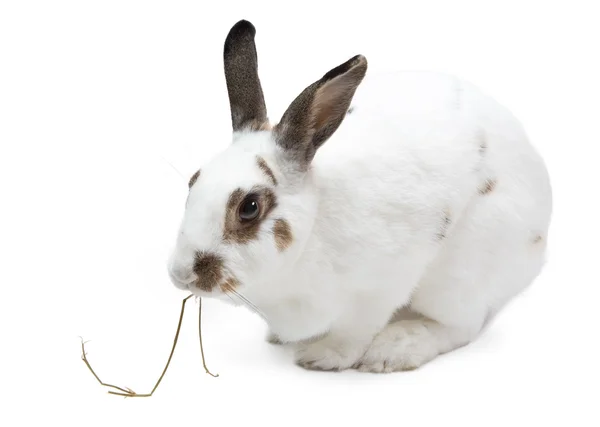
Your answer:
<point x="126" y="391"/>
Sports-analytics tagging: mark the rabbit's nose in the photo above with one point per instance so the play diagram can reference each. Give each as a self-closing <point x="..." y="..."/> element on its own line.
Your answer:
<point x="181" y="277"/>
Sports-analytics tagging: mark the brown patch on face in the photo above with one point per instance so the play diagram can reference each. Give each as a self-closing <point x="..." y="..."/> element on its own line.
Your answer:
<point x="229" y="284"/>
<point x="238" y="231"/>
<point x="194" y="178"/>
<point x="442" y="234"/>
<point x="209" y="269"/>
<point x="262" y="164"/>
<point x="488" y="186"/>
<point x="283" y="234"/>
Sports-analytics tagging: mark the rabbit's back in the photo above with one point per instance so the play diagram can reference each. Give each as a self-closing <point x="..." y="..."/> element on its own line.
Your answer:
<point x="431" y="139"/>
<point x="423" y="162"/>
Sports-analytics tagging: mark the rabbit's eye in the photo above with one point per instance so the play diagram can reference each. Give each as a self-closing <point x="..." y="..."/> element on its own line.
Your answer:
<point x="249" y="209"/>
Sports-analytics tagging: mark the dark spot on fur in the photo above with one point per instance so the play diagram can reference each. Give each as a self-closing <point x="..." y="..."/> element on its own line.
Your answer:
<point x="209" y="269"/>
<point x="483" y="146"/>
<point x="194" y="178"/>
<point x="459" y="92"/>
<point x="240" y="232"/>
<point x="283" y="234"/>
<point x="262" y="164"/>
<point x="350" y="110"/>
<point x="446" y="221"/>
<point x="274" y="339"/>
<point x="488" y="186"/>
<point x="537" y="239"/>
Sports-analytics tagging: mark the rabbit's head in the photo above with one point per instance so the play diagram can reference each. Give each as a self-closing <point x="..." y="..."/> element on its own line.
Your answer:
<point x="251" y="209"/>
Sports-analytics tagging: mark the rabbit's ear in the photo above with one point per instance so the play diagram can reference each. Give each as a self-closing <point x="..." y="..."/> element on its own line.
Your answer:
<point x="246" y="100"/>
<point x="318" y="111"/>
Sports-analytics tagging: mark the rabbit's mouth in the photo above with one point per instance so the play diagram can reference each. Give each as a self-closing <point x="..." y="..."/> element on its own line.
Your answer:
<point x="227" y="291"/>
<point x="182" y="283"/>
<point x="209" y="277"/>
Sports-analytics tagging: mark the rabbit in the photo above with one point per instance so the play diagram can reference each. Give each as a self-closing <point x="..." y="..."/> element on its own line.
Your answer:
<point x="373" y="197"/>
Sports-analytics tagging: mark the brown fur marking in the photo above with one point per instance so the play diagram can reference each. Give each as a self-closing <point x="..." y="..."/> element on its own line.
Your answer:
<point x="283" y="234"/>
<point x="194" y="178"/>
<point x="240" y="232"/>
<point x="209" y="269"/>
<point x="229" y="284"/>
<point x="488" y="186"/>
<point x="262" y="164"/>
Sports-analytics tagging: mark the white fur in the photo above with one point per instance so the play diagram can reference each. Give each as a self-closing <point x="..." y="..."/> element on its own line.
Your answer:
<point x="366" y="219"/>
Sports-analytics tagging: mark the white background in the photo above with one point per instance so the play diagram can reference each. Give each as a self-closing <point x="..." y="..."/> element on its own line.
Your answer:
<point x="99" y="99"/>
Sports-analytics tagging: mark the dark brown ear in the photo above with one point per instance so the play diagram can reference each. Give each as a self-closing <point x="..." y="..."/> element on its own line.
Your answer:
<point x="246" y="98"/>
<point x="318" y="111"/>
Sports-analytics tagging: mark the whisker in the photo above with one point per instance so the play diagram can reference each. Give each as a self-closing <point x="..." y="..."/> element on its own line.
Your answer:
<point x="229" y="296"/>
<point x="246" y="301"/>
<point x="227" y="288"/>
<point x="172" y="167"/>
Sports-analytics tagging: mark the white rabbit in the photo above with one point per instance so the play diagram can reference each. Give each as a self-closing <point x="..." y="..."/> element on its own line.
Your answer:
<point x="372" y="194"/>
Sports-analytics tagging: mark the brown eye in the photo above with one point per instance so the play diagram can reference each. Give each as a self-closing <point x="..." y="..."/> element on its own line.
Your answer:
<point x="249" y="209"/>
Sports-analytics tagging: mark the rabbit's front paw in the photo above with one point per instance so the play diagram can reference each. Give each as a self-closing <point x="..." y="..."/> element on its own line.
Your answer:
<point x="328" y="354"/>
